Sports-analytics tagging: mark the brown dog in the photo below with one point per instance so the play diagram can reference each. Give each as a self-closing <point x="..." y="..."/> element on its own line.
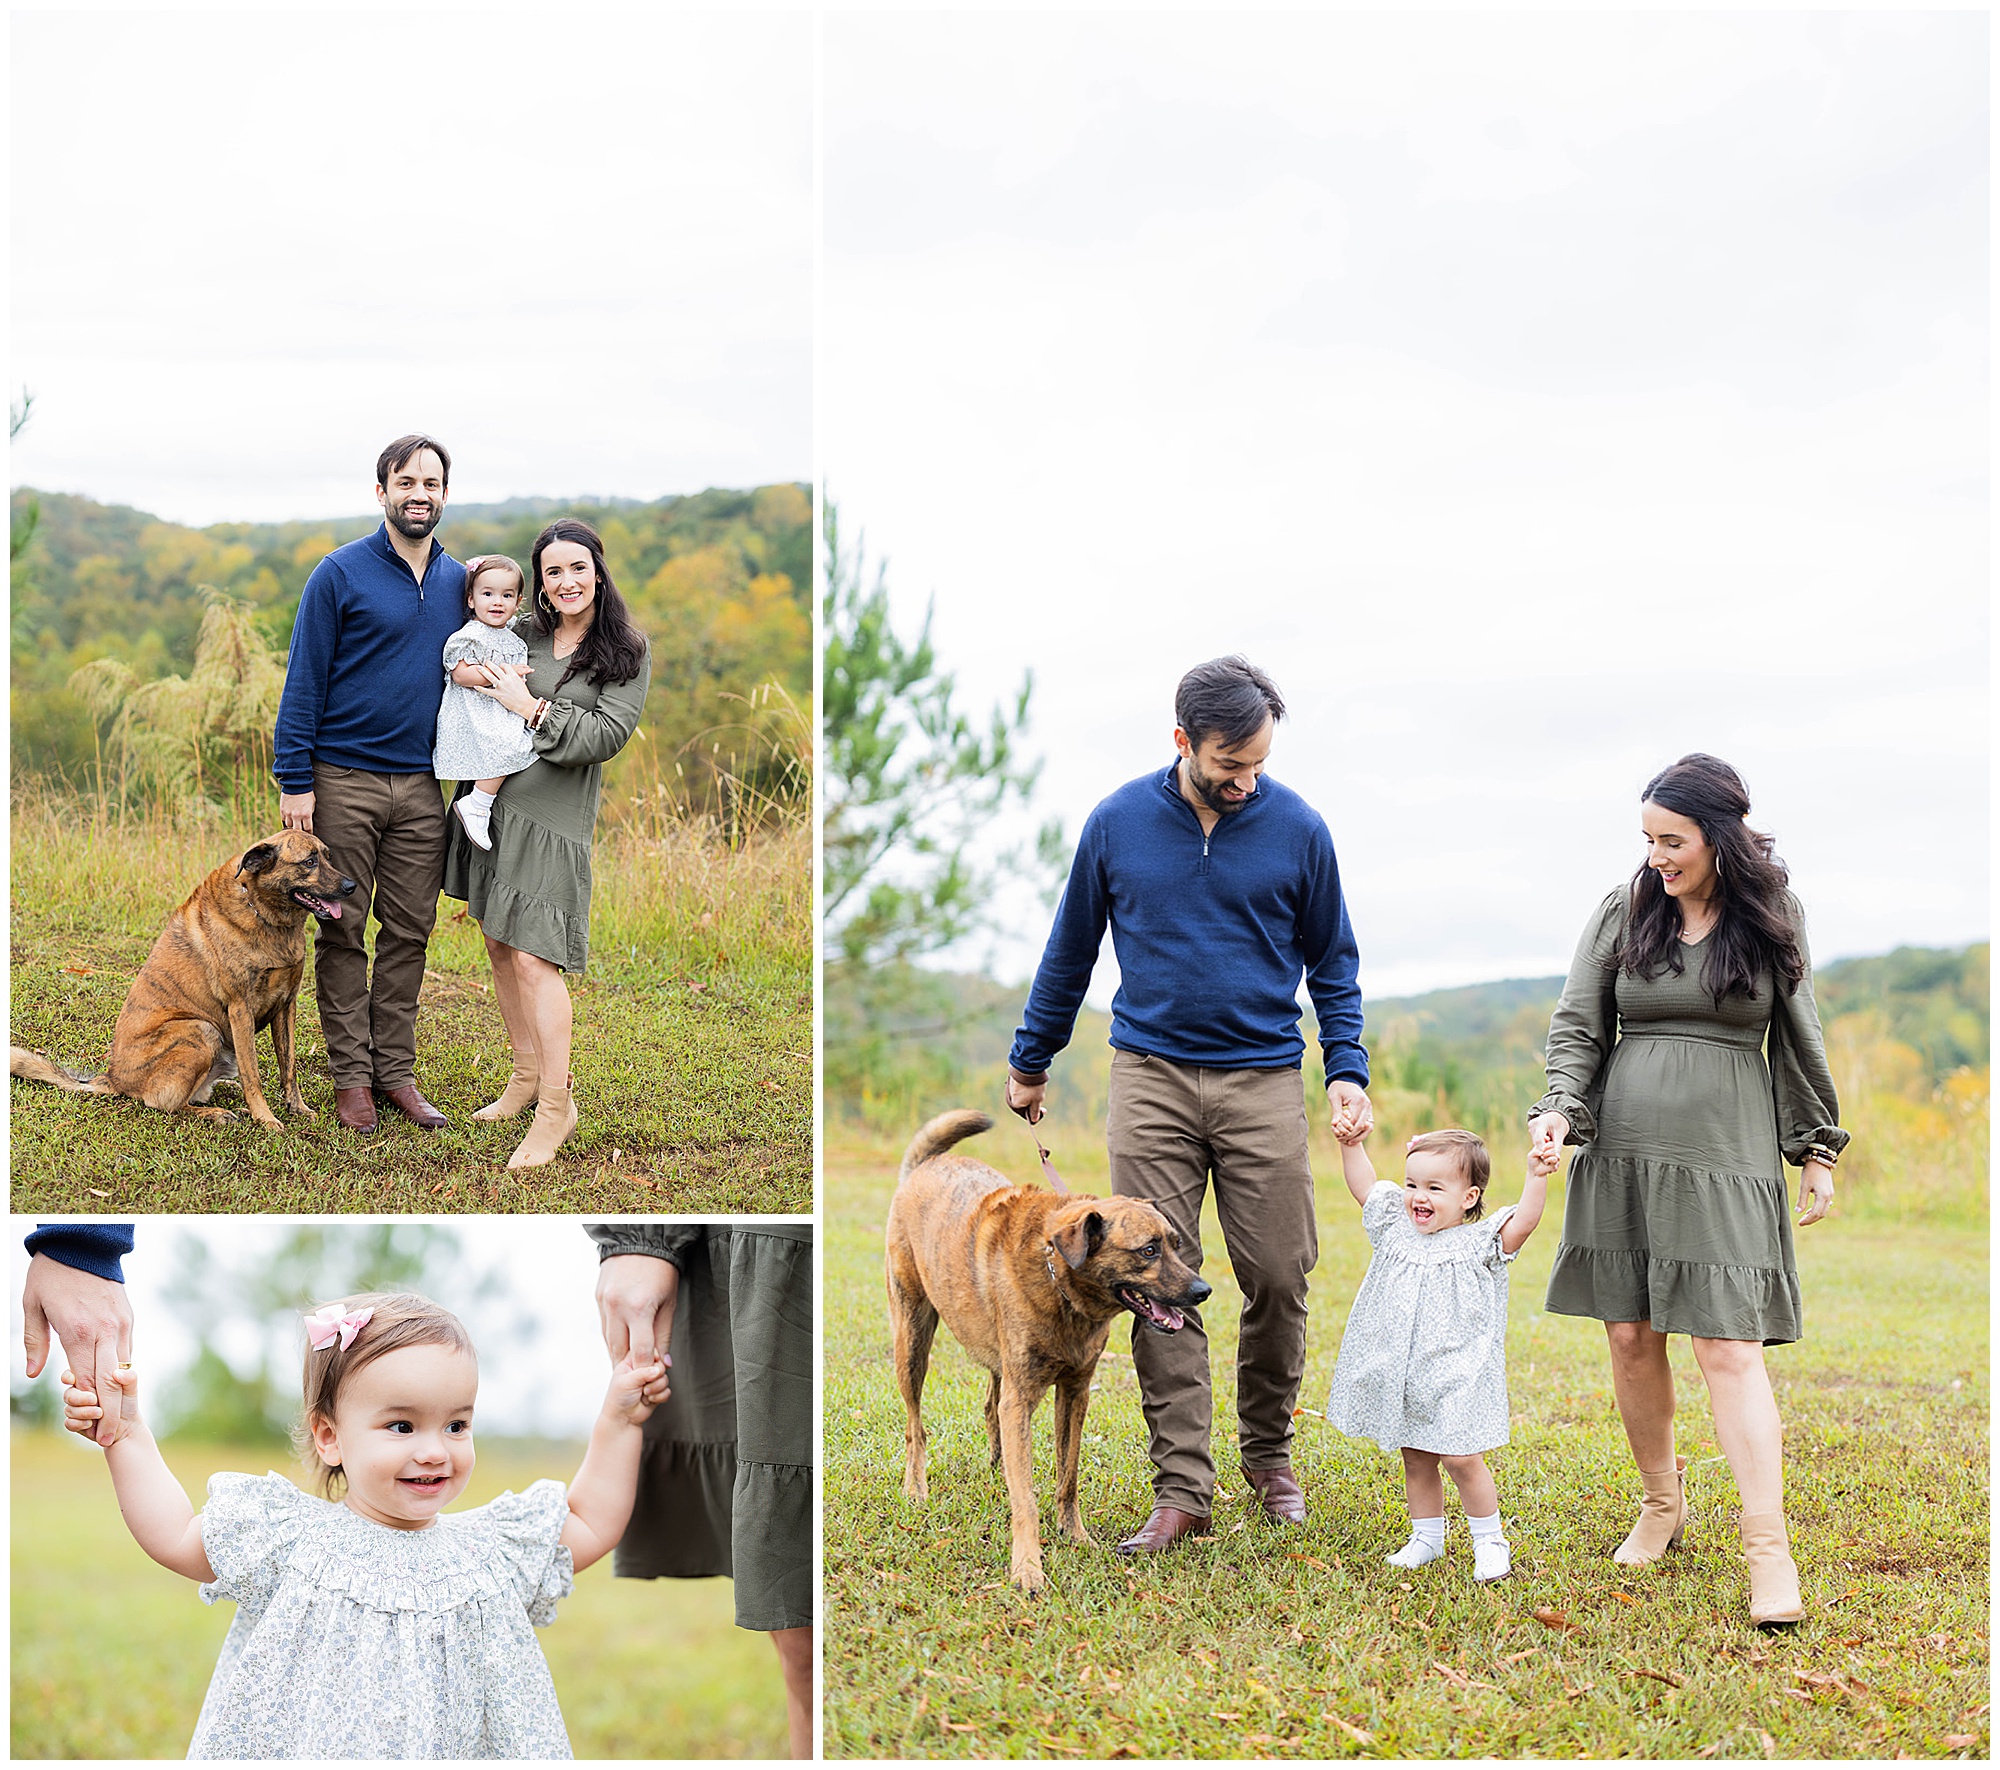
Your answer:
<point x="1029" y="1282"/>
<point x="228" y="962"/>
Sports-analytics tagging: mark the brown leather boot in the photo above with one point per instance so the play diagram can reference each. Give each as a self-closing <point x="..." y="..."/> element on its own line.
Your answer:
<point x="519" y="1091"/>
<point x="555" y="1119"/>
<point x="1662" y="1517"/>
<point x="1279" y="1493"/>
<point x="413" y="1106"/>
<point x="355" y="1109"/>
<point x="1166" y="1527"/>
<point x="1774" y="1577"/>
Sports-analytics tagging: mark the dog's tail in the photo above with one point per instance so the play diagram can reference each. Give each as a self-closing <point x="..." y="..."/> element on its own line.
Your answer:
<point x="941" y="1133"/>
<point x="32" y="1066"/>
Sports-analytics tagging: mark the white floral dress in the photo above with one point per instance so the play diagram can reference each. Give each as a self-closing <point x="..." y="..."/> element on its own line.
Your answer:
<point x="478" y="738"/>
<point x="353" y="1640"/>
<point x="1423" y="1363"/>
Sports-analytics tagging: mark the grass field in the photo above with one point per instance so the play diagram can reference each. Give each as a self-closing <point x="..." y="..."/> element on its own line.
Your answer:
<point x="112" y="1653"/>
<point x="693" y="1052"/>
<point x="1258" y="1643"/>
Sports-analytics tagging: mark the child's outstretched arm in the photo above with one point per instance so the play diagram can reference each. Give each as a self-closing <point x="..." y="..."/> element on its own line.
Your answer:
<point x="1515" y="1231"/>
<point x="155" y="1506"/>
<point x="1356" y="1169"/>
<point x="601" y="1496"/>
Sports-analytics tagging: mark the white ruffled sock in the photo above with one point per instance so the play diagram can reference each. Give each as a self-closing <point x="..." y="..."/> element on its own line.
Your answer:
<point x="1426" y="1544"/>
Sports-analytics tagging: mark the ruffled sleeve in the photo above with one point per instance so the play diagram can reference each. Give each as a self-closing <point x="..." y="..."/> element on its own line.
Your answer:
<point x="572" y="736"/>
<point x="1496" y="1254"/>
<point x="463" y="646"/>
<point x="1801" y="1083"/>
<point x="248" y="1529"/>
<point x="671" y="1242"/>
<point x="533" y="1559"/>
<point x="1585" y="1024"/>
<point x="1380" y="1210"/>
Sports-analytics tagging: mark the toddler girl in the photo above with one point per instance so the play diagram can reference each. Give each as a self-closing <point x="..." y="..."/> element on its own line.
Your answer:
<point x="478" y="740"/>
<point x="1423" y="1363"/>
<point x="380" y="1626"/>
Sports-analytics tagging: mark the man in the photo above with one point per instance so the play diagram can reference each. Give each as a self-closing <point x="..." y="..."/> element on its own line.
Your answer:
<point x="352" y="754"/>
<point x="1221" y="889"/>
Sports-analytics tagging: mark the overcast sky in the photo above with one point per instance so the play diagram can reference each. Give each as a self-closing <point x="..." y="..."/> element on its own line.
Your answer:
<point x="1537" y="397"/>
<point x="250" y="248"/>
<point x="542" y="1367"/>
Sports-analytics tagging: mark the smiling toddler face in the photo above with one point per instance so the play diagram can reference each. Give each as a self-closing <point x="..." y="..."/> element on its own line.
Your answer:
<point x="402" y="1432"/>
<point x="1436" y="1193"/>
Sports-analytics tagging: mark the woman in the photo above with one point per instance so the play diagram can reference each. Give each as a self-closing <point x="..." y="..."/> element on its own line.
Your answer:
<point x="588" y="669"/>
<point x="725" y="1479"/>
<point x="1677" y="1220"/>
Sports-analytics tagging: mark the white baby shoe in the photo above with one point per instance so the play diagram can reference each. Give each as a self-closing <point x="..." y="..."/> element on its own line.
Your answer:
<point x="1491" y="1560"/>
<point x="475" y="819"/>
<point x="1420" y="1551"/>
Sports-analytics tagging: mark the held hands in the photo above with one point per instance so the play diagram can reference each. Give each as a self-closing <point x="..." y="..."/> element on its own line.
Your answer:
<point x="1815" y="1192"/>
<point x="1544" y="1159"/>
<point x="91" y="1316"/>
<point x="1547" y="1132"/>
<point x="638" y="1385"/>
<point x="104" y="1422"/>
<point x="1353" y="1113"/>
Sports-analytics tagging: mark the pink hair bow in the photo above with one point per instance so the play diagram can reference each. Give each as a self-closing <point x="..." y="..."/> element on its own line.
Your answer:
<point x="324" y="1326"/>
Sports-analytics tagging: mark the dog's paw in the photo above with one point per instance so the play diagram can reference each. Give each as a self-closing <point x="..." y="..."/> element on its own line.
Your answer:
<point x="300" y="1110"/>
<point x="1029" y="1577"/>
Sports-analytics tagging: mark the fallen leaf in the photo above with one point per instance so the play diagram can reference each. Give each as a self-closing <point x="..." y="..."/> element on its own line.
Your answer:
<point x="1309" y="1560"/>
<point x="1554" y="1619"/>
<point x="773" y="1087"/>
<point x="1663" y="1677"/>
<point x="81" y="970"/>
<point x="94" y="1193"/>
<point x="1360" y="1735"/>
<point x="1580" y="1690"/>
<point x="962" y="1726"/>
<point x="1525" y="1653"/>
<point x="1709" y="1751"/>
<point x="1625" y="1598"/>
<point x="1223" y="1715"/>
<point x="1959" y="1741"/>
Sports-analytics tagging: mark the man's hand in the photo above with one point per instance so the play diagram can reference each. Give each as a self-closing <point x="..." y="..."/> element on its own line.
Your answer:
<point x="295" y="811"/>
<point x="636" y="1294"/>
<point x="91" y="1316"/>
<point x="1353" y="1112"/>
<point x="1026" y="1100"/>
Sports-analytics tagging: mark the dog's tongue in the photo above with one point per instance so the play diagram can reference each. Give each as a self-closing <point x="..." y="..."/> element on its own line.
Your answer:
<point x="333" y="910"/>
<point x="1171" y="1320"/>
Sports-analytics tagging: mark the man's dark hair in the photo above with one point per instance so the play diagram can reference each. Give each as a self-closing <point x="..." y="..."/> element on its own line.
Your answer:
<point x="1229" y="698"/>
<point x="399" y="452"/>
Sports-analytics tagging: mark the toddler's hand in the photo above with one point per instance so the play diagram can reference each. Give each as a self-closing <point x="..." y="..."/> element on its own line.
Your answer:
<point x="1544" y="1160"/>
<point x="637" y="1388"/>
<point x="82" y="1409"/>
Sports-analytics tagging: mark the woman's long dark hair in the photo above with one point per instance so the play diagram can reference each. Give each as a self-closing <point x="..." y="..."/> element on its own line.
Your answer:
<point x="1753" y="925"/>
<point x="613" y="648"/>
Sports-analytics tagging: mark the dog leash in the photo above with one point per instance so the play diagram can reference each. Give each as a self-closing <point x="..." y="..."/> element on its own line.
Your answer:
<point x="1048" y="1163"/>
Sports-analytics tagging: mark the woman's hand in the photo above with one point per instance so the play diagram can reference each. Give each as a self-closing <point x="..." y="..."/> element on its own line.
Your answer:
<point x="1547" y="1132"/>
<point x="1815" y="1192"/>
<point x="638" y="1386"/>
<point x="510" y="691"/>
<point x="87" y="1417"/>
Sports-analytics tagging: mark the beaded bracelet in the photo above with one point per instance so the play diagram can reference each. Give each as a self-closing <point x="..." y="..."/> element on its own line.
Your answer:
<point x="1818" y="1152"/>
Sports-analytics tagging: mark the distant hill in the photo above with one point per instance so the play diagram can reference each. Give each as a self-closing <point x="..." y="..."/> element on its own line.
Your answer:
<point x="920" y="1040"/>
<point x="720" y="580"/>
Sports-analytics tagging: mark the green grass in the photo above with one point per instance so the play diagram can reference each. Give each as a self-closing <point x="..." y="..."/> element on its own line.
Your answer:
<point x="112" y="1653"/>
<point x="692" y="1050"/>
<point x="1303" y="1644"/>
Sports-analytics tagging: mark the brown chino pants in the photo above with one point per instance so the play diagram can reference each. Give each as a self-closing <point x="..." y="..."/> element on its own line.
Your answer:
<point x="1170" y="1127"/>
<point x="386" y="832"/>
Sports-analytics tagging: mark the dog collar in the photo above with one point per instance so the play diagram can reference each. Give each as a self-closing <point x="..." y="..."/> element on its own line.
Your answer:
<point x="1049" y="1260"/>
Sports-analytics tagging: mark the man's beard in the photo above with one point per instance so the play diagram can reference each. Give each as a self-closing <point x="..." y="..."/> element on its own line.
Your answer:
<point x="416" y="531"/>
<point x="1209" y="792"/>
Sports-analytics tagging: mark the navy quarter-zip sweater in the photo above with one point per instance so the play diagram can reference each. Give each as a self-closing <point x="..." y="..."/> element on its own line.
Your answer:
<point x="1212" y="935"/>
<point x="366" y="669"/>
<point x="95" y="1248"/>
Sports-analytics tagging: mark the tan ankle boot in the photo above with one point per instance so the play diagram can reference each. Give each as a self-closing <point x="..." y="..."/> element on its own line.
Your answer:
<point x="1774" y="1577"/>
<point x="519" y="1092"/>
<point x="1662" y="1516"/>
<point x="555" y="1118"/>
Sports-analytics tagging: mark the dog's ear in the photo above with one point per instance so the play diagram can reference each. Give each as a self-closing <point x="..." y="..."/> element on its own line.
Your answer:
<point x="260" y="859"/>
<point x="1079" y="1238"/>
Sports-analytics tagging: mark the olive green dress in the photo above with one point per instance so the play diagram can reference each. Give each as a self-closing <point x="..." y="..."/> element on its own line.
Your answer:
<point x="532" y="889"/>
<point x="725" y="1477"/>
<point x="1677" y="1211"/>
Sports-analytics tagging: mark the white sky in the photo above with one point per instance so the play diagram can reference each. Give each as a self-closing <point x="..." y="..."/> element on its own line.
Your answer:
<point x="250" y="248"/>
<point x="1537" y="397"/>
<point x="542" y="1365"/>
